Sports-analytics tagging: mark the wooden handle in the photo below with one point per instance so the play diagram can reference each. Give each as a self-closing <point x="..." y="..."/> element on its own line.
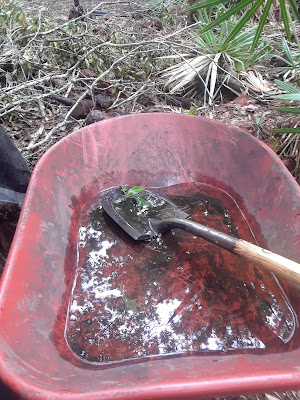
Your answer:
<point x="272" y="262"/>
<point x="262" y="257"/>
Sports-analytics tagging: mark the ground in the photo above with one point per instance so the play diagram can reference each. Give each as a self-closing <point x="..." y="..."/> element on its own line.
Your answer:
<point x="44" y="118"/>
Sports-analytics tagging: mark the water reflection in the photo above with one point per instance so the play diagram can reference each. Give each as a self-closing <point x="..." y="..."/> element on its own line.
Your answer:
<point x="178" y="294"/>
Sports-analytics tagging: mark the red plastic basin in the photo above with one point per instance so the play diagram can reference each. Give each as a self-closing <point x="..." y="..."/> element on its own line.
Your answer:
<point x="38" y="359"/>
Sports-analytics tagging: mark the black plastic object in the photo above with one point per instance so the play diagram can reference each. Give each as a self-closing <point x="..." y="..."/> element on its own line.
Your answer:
<point x="14" y="179"/>
<point x="9" y="216"/>
<point x="14" y="173"/>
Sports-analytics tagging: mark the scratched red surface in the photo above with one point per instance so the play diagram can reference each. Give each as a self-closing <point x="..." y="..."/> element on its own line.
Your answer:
<point x="152" y="150"/>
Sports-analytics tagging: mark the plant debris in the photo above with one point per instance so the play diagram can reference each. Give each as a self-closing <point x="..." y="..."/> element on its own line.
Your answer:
<point x="59" y="73"/>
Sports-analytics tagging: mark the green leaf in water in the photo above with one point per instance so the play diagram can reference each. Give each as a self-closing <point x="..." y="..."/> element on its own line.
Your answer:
<point x="130" y="304"/>
<point x="135" y="190"/>
<point x="124" y="189"/>
<point x="141" y="202"/>
<point x="132" y="192"/>
<point x="120" y="199"/>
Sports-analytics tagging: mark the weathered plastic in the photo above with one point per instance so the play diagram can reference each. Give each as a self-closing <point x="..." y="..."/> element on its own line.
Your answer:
<point x="14" y="173"/>
<point x="152" y="150"/>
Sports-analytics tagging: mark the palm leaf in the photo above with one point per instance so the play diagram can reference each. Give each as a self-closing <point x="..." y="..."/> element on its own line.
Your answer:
<point x="287" y="130"/>
<point x="261" y="23"/>
<point x="213" y="72"/>
<point x="205" y="4"/>
<point x="294" y="9"/>
<point x="285" y="61"/>
<point x="288" y="52"/>
<point x="288" y="96"/>
<point x="199" y="40"/>
<point x="183" y="73"/>
<point x="242" y="22"/>
<point x="286" y="86"/>
<point x="232" y="11"/>
<point x="284" y="17"/>
<point x="290" y="110"/>
<point x="256" y="82"/>
<point x="208" y="38"/>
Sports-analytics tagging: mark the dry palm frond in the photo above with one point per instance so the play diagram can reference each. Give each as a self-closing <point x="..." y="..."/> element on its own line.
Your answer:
<point x="217" y="69"/>
<point x="185" y="72"/>
<point x="211" y="66"/>
<point x="255" y="82"/>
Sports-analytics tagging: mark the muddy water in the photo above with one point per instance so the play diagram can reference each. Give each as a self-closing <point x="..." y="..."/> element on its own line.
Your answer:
<point x="174" y="295"/>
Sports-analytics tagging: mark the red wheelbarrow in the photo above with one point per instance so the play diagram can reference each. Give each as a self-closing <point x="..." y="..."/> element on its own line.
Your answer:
<point x="88" y="313"/>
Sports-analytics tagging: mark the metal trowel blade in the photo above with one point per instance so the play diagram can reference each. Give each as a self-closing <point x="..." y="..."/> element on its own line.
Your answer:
<point x="133" y="218"/>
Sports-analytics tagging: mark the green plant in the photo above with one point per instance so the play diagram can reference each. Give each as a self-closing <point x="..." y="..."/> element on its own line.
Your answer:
<point x="292" y="61"/>
<point x="132" y="192"/>
<point x="158" y="7"/>
<point x="288" y="9"/>
<point x="11" y="13"/>
<point x="293" y="94"/>
<point x="193" y="110"/>
<point x="221" y="63"/>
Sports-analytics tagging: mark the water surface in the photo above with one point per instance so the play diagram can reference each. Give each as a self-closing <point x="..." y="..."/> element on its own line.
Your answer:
<point x="173" y="295"/>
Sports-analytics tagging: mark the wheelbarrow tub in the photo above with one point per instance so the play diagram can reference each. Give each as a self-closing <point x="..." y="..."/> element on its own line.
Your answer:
<point x="152" y="150"/>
